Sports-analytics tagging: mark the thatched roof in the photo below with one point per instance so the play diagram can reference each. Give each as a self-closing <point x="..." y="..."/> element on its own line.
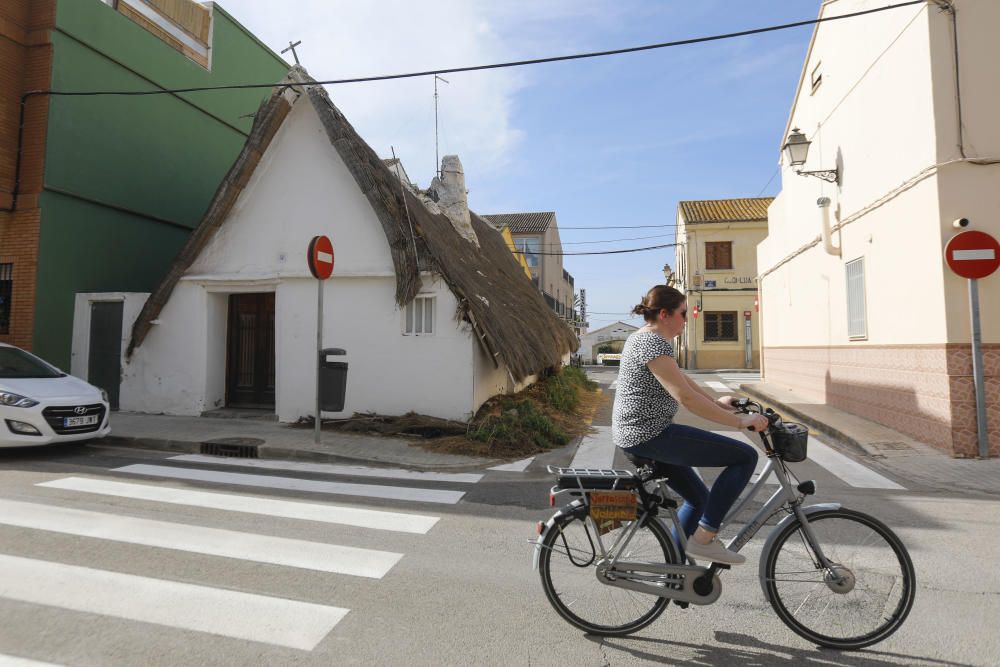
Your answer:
<point x="508" y="315"/>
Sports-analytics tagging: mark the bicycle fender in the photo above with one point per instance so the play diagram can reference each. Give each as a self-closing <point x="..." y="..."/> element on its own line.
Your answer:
<point x="808" y="509"/>
<point x="575" y="507"/>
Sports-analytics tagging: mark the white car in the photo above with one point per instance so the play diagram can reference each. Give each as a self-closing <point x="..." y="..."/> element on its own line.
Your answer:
<point x="41" y="405"/>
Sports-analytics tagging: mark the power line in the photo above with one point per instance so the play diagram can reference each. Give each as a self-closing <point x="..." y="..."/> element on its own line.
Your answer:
<point x="633" y="238"/>
<point x="604" y="252"/>
<point x="776" y="170"/>
<point x="516" y="63"/>
<point x="673" y="224"/>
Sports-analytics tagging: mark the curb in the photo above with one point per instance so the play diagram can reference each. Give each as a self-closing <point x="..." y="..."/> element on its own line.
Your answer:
<point x="275" y="452"/>
<point x="811" y="422"/>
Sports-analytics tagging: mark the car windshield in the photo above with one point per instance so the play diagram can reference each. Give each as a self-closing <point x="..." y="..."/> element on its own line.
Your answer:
<point x="16" y="363"/>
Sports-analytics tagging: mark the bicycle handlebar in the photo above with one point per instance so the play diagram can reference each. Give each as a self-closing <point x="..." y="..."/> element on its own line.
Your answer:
<point x="744" y="405"/>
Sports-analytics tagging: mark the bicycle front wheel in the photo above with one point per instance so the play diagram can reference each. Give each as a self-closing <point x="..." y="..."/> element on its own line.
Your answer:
<point x="860" y="599"/>
<point x="567" y="566"/>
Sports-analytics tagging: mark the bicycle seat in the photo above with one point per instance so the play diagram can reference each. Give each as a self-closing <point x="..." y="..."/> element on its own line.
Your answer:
<point x="656" y="468"/>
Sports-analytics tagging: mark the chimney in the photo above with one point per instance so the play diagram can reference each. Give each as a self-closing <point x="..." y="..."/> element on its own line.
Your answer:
<point x="452" y="199"/>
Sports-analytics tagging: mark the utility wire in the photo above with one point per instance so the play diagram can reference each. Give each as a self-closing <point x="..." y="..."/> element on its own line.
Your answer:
<point x="633" y="238"/>
<point x="604" y="252"/>
<point x="516" y="63"/>
<point x="674" y="224"/>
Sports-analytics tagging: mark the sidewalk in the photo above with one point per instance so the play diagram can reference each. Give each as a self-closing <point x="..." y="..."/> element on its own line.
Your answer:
<point x="273" y="440"/>
<point x="881" y="447"/>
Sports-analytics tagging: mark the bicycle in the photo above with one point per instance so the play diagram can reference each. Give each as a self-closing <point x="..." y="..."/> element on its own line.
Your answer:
<point x="837" y="577"/>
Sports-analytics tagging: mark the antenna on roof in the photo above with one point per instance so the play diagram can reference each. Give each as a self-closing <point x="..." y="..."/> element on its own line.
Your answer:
<point x="437" y="160"/>
<point x="291" y="47"/>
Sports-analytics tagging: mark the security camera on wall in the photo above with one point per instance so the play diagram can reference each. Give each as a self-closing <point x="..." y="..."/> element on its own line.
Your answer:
<point x="960" y="223"/>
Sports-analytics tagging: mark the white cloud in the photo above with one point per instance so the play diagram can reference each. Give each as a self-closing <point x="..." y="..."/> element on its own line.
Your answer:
<point x="348" y="39"/>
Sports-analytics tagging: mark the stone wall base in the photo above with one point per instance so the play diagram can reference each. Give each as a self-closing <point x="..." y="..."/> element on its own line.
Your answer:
<point x="924" y="391"/>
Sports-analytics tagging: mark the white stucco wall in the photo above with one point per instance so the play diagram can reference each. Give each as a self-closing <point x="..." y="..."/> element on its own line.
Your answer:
<point x="873" y="117"/>
<point x="301" y="189"/>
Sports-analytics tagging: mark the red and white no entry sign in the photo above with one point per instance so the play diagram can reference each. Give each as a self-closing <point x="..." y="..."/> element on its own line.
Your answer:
<point x="320" y="257"/>
<point x="972" y="254"/>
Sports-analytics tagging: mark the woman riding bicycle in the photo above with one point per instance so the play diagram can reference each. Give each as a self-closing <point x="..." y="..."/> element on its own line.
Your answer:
<point x="650" y="386"/>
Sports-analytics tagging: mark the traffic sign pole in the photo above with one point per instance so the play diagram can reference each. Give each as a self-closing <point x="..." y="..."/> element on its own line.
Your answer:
<point x="977" y="371"/>
<point x="319" y="352"/>
<point x="320" y="259"/>
<point x="975" y="255"/>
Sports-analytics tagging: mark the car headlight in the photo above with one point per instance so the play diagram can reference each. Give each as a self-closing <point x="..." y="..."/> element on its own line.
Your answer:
<point x="16" y="400"/>
<point x="104" y="396"/>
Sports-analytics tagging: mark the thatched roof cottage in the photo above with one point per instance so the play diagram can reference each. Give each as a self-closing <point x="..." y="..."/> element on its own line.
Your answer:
<point x="434" y="311"/>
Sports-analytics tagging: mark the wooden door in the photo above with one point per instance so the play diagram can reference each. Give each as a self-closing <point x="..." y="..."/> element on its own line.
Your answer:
<point x="250" y="358"/>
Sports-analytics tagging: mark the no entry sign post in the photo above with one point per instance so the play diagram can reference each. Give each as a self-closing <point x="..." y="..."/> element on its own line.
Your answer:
<point x="975" y="255"/>
<point x="320" y="259"/>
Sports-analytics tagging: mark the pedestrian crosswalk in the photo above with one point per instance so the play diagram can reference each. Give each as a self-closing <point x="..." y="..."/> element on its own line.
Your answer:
<point x="729" y="382"/>
<point x="186" y="508"/>
<point x="832" y="463"/>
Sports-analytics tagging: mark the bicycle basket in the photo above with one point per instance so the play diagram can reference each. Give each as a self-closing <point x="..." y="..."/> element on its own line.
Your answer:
<point x="789" y="440"/>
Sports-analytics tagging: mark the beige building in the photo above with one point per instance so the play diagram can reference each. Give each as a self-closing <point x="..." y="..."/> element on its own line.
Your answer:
<point x="716" y="268"/>
<point x="536" y="236"/>
<point x="859" y="307"/>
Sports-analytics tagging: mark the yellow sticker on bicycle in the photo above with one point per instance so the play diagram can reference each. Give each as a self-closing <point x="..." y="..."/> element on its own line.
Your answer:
<point x="613" y="505"/>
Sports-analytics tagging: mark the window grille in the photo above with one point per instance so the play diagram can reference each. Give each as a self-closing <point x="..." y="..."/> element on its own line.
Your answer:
<point x="857" y="320"/>
<point x="419" y="317"/>
<point x="6" y="289"/>
<point x="721" y="326"/>
<point x="718" y="255"/>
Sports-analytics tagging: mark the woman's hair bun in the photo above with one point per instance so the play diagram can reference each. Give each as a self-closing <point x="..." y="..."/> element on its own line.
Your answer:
<point x="640" y="309"/>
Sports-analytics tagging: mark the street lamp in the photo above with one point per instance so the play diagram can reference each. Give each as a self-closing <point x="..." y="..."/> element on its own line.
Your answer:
<point x="668" y="275"/>
<point x="797" y="149"/>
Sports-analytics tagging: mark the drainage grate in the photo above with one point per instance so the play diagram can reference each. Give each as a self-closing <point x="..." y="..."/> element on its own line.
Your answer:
<point x="241" y="448"/>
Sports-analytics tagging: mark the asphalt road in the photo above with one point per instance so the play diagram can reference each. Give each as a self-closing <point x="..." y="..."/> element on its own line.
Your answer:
<point x="109" y="564"/>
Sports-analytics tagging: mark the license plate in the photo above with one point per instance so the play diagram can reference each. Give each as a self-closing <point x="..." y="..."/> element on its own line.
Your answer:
<point x="612" y="505"/>
<point x="89" y="420"/>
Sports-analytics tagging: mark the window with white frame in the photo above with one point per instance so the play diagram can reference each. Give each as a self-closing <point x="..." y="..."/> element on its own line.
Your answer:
<point x="857" y="320"/>
<point x="418" y="318"/>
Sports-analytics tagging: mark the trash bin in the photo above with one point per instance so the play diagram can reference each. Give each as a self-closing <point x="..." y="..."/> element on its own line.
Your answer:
<point x="332" y="379"/>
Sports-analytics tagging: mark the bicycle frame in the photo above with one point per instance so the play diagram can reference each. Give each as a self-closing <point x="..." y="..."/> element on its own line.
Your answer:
<point x="691" y="582"/>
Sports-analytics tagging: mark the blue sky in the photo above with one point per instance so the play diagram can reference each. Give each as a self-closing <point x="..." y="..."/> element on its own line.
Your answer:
<point x="609" y="141"/>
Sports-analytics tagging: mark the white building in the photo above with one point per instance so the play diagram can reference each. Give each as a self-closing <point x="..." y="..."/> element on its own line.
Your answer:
<point x="859" y="308"/>
<point x="591" y="340"/>
<point x="434" y="312"/>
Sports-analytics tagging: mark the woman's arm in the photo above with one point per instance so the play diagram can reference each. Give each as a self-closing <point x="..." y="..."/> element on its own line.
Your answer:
<point x="669" y="374"/>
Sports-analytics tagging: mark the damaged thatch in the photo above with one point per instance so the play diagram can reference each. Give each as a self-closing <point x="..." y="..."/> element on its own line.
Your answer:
<point x="507" y="314"/>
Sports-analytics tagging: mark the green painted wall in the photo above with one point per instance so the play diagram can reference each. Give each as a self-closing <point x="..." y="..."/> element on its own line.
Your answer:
<point x="160" y="156"/>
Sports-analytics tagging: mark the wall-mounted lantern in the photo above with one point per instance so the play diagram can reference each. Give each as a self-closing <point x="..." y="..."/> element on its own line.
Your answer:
<point x="797" y="150"/>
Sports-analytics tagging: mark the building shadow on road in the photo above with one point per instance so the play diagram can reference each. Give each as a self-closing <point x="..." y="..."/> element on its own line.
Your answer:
<point x="737" y="649"/>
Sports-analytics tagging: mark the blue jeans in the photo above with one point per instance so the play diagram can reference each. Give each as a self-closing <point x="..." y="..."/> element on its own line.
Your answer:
<point x="678" y="448"/>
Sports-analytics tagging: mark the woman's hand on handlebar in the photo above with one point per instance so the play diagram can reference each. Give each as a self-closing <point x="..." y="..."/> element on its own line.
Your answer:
<point x="727" y="402"/>
<point x="754" y="422"/>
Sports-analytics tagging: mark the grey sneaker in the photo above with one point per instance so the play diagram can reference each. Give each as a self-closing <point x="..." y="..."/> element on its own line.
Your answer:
<point x="715" y="552"/>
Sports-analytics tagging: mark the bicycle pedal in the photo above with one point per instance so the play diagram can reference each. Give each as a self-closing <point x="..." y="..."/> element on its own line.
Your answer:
<point x="681" y="603"/>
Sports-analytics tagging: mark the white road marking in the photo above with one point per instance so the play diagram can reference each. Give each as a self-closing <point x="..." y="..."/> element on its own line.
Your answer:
<point x="596" y="450"/>
<point x="286" y="509"/>
<point x="761" y="459"/>
<point x="718" y="386"/>
<point x="614" y="384"/>
<point x="198" y="539"/>
<point x="293" y="484"/>
<point x="847" y="468"/>
<point x="516" y="466"/>
<point x="331" y="469"/>
<point x="258" y="618"/>
<point x="14" y="661"/>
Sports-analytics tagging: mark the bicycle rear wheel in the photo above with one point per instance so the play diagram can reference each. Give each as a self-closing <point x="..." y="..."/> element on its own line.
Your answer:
<point x="569" y="578"/>
<point x="862" y="599"/>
